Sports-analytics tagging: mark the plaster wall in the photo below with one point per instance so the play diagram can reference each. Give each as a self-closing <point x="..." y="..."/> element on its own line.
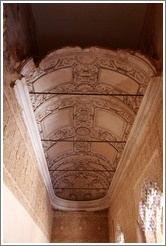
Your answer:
<point x="22" y="227"/>
<point x="141" y="160"/>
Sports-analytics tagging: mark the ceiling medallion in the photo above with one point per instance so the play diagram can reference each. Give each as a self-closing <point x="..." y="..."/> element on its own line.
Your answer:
<point x="82" y="131"/>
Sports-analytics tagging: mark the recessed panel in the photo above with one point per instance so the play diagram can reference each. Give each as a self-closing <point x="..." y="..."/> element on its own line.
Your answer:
<point x="109" y="121"/>
<point x="118" y="81"/>
<point x="59" y="148"/>
<point x="60" y="119"/>
<point x="53" y="79"/>
<point x="105" y="149"/>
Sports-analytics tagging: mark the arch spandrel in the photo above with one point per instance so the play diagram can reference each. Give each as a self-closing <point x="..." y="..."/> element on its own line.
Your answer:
<point x="84" y="103"/>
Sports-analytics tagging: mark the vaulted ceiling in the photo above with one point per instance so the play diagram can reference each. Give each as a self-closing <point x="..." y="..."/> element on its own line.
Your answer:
<point x="85" y="102"/>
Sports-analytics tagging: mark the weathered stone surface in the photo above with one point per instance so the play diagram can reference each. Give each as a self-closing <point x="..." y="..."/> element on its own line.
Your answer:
<point x="19" y="34"/>
<point x="151" y="39"/>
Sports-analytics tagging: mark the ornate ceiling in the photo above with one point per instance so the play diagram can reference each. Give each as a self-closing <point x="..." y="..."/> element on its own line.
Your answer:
<point x="85" y="102"/>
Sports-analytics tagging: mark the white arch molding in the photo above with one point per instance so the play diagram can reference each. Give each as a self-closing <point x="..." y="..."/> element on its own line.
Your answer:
<point x="63" y="116"/>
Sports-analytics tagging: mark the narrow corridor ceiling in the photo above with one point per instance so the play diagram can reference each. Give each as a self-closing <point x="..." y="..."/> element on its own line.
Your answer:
<point x="85" y="102"/>
<point x="110" y="25"/>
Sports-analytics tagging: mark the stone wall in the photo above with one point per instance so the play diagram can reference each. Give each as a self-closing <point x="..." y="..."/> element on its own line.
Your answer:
<point x="141" y="160"/>
<point x="80" y="227"/>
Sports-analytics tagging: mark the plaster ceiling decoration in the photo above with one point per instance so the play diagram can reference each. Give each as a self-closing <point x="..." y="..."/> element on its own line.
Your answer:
<point x="85" y="102"/>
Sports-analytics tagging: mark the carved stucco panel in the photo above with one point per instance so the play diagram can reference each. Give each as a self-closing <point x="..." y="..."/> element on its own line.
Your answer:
<point x="85" y="102"/>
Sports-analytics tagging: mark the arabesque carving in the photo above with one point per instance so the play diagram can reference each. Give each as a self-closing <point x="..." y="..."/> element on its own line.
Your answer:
<point x="85" y="103"/>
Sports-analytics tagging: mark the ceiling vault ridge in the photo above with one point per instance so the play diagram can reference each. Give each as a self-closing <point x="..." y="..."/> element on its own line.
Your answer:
<point x="79" y="106"/>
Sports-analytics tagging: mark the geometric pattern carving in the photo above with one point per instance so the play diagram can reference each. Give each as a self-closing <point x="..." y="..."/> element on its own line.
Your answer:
<point x="83" y="152"/>
<point x="119" y="236"/>
<point x="150" y="211"/>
